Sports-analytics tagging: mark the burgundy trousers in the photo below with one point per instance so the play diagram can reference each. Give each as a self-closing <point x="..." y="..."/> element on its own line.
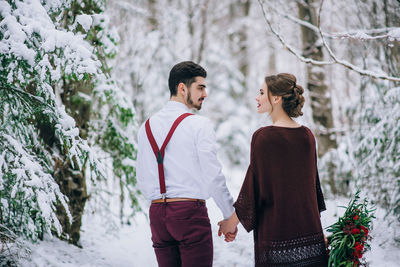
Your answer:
<point x="181" y="234"/>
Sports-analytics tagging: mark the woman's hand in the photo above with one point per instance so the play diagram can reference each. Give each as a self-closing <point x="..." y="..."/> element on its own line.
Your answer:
<point x="229" y="237"/>
<point x="229" y="228"/>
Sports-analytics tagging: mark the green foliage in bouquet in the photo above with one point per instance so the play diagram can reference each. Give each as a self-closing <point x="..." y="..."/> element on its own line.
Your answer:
<point x="350" y="234"/>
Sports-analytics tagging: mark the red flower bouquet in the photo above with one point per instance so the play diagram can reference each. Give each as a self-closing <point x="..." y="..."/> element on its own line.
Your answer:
<point x="350" y="235"/>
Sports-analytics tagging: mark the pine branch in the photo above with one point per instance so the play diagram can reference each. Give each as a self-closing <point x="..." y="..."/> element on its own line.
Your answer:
<point x="37" y="98"/>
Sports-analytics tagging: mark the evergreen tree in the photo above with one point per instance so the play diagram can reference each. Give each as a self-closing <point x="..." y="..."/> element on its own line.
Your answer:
<point x="377" y="154"/>
<point x="59" y="106"/>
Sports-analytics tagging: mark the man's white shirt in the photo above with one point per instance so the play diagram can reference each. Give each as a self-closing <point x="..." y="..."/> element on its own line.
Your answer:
<point x="191" y="167"/>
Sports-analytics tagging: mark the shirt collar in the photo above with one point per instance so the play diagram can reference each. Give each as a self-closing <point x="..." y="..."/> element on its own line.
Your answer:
<point x="176" y="105"/>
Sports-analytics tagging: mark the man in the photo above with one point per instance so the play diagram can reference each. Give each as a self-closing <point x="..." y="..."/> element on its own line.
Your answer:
<point x="177" y="169"/>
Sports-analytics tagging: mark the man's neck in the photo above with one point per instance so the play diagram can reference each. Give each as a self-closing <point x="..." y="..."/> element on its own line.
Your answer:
<point x="180" y="100"/>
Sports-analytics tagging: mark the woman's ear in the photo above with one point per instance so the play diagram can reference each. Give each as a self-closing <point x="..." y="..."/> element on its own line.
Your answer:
<point x="277" y="99"/>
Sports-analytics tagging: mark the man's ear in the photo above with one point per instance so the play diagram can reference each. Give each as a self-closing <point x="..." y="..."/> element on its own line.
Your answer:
<point x="181" y="88"/>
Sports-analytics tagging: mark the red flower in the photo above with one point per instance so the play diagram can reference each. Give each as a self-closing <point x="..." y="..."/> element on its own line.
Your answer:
<point x="355" y="231"/>
<point x="365" y="230"/>
<point x="358" y="250"/>
<point x="356" y="255"/>
<point x="356" y="217"/>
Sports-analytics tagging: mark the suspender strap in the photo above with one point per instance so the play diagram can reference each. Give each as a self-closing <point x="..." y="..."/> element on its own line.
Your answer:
<point x="159" y="153"/>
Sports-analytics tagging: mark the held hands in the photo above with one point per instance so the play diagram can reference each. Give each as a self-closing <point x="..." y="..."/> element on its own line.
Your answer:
<point x="230" y="235"/>
<point x="229" y="228"/>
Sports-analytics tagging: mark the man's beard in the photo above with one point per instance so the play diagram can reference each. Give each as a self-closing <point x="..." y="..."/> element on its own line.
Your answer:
<point x="190" y="102"/>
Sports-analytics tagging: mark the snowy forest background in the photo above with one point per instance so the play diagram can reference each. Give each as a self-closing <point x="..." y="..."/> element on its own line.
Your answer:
<point x="78" y="77"/>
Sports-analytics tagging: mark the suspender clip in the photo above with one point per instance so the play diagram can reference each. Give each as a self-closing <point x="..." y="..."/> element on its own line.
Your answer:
<point x="163" y="196"/>
<point x="159" y="157"/>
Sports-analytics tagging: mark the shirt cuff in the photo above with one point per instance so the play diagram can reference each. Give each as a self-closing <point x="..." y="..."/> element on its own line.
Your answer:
<point x="224" y="201"/>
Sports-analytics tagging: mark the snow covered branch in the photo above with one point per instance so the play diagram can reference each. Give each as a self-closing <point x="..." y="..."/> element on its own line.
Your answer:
<point x="288" y="46"/>
<point x="346" y="64"/>
<point x="335" y="60"/>
<point x="389" y="33"/>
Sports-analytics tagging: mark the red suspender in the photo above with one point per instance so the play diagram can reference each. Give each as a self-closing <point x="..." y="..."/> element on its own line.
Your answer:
<point x="159" y="153"/>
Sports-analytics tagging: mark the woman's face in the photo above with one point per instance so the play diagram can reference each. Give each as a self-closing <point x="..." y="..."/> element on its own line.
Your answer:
<point x="263" y="104"/>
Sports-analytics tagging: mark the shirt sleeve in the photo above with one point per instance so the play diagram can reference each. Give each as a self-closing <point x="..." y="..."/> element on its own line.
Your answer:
<point x="212" y="169"/>
<point x="245" y="204"/>
<point x="141" y="185"/>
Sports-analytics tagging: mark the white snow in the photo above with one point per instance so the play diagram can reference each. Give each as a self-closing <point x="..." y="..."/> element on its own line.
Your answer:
<point x="143" y="63"/>
<point x="131" y="245"/>
<point x="85" y="20"/>
<point x="394" y="34"/>
<point x="361" y="35"/>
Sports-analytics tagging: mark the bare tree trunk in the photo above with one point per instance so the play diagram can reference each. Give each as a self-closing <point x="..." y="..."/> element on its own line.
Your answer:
<point x="152" y="19"/>
<point x="272" y="60"/>
<point x="240" y="11"/>
<point x="243" y="51"/>
<point x="320" y="97"/>
<point x="197" y="25"/>
<point x="391" y="9"/>
<point x="204" y="25"/>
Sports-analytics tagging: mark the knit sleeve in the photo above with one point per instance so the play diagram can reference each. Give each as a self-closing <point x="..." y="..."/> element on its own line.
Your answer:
<point x="245" y="203"/>
<point x="320" y="196"/>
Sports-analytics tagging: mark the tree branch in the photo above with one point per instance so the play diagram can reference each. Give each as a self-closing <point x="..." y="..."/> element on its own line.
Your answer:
<point x="347" y="64"/>
<point x="335" y="59"/>
<point x="362" y="35"/>
<point x="289" y="47"/>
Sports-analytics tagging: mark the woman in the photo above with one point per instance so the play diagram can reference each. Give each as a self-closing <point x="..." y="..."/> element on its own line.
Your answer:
<point x="281" y="199"/>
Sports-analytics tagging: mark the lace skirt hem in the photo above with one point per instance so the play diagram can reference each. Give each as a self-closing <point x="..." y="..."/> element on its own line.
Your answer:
<point x="303" y="251"/>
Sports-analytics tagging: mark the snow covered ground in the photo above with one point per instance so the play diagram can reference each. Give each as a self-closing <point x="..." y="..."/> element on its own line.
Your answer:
<point x="131" y="245"/>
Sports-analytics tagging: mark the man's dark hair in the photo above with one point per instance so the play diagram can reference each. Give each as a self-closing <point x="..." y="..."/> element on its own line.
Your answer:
<point x="184" y="72"/>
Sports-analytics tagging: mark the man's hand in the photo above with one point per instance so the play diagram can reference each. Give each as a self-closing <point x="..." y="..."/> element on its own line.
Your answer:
<point x="229" y="228"/>
<point x="226" y="229"/>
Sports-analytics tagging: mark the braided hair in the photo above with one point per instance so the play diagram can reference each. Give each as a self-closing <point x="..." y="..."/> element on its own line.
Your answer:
<point x="284" y="84"/>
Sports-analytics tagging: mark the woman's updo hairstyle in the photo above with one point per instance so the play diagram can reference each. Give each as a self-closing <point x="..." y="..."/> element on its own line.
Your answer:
<point x="284" y="84"/>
